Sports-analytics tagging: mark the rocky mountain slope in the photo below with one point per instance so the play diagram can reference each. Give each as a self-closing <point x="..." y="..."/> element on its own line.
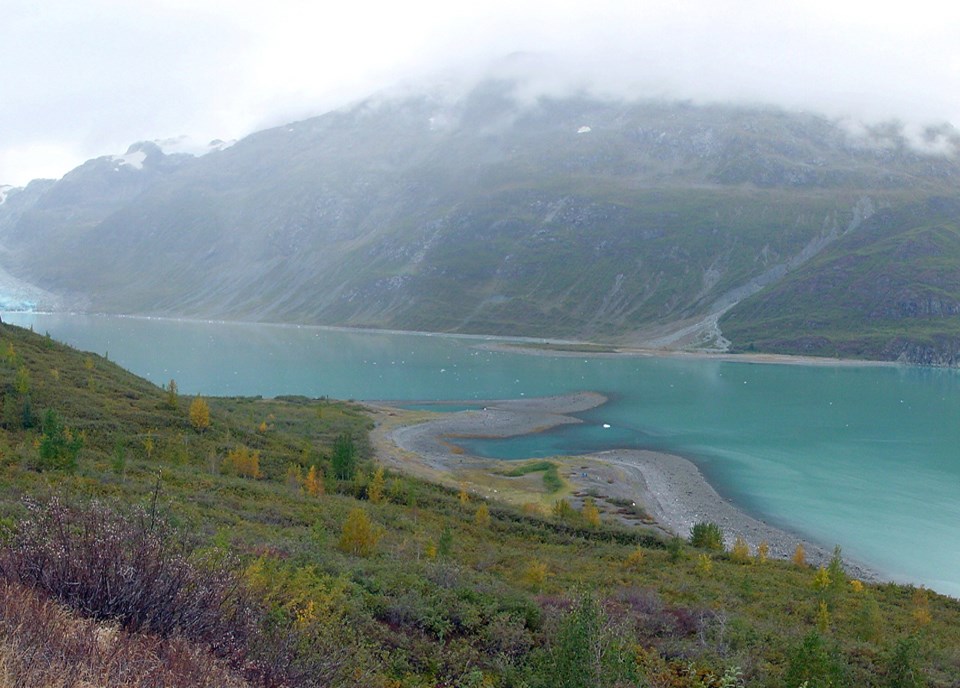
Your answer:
<point x="572" y="217"/>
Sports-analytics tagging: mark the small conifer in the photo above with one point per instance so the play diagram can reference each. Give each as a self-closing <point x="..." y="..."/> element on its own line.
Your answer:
<point x="590" y="512"/>
<point x="360" y="536"/>
<point x="376" y="487"/>
<point x="482" y="516"/>
<point x="799" y="557"/>
<point x="741" y="551"/>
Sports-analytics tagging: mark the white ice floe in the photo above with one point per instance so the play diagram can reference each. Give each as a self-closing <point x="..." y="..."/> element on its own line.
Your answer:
<point x="584" y="130"/>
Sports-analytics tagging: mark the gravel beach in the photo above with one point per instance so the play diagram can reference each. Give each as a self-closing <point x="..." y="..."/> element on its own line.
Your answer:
<point x="670" y="488"/>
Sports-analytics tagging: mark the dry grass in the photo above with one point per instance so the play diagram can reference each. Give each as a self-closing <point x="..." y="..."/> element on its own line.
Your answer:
<point x="44" y="645"/>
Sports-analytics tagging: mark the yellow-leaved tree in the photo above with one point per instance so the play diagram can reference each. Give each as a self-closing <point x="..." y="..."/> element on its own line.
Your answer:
<point x="482" y="516"/>
<point x="376" y="487"/>
<point x="360" y="536"/>
<point x="199" y="414"/>
<point x="590" y="512"/>
<point x="313" y="483"/>
<point x="243" y="461"/>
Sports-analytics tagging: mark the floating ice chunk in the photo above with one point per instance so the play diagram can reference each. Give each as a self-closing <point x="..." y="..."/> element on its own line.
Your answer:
<point x="606" y="425"/>
<point x="584" y="130"/>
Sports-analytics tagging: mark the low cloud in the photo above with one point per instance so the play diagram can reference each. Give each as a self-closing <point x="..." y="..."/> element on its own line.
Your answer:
<point x="87" y="79"/>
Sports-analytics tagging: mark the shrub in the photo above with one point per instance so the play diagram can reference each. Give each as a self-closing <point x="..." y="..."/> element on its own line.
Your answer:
<point x="360" y="536"/>
<point x="740" y="553"/>
<point x="344" y="458"/>
<point x="590" y="513"/>
<point x="635" y="559"/>
<point x="243" y="462"/>
<point x="811" y="663"/>
<point x="59" y="446"/>
<point x="563" y="510"/>
<point x="129" y="567"/>
<point x="706" y="535"/>
<point x="799" y="557"/>
<point x="482" y="516"/>
<point x="902" y="669"/>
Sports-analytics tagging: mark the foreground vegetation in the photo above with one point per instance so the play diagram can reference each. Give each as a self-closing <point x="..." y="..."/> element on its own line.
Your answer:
<point x="150" y="539"/>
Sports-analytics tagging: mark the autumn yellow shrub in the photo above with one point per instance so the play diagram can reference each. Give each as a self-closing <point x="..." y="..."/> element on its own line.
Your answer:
<point x="704" y="564"/>
<point x="313" y="483"/>
<point x="799" y="557"/>
<point x="635" y="559"/>
<point x="535" y="574"/>
<point x="590" y="512"/>
<point x="482" y="516"/>
<point x="244" y="462"/>
<point x="376" y="487"/>
<point x="740" y="553"/>
<point x="360" y="535"/>
<point x="921" y="608"/>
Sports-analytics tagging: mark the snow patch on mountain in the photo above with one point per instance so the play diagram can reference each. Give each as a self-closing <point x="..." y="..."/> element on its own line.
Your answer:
<point x="5" y="190"/>
<point x="189" y="146"/>
<point x="132" y="159"/>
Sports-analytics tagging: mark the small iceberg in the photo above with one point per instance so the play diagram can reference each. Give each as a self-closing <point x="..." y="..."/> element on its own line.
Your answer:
<point x="606" y="425"/>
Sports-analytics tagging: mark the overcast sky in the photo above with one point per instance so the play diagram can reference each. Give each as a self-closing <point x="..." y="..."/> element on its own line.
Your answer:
<point x="82" y="78"/>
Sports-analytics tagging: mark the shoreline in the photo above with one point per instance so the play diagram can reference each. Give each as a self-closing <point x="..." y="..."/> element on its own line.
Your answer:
<point x="671" y="488"/>
<point x="639" y="352"/>
<point x="533" y="346"/>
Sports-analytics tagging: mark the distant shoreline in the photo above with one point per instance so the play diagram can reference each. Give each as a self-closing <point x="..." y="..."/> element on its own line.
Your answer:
<point x="671" y="488"/>
<point x="534" y="346"/>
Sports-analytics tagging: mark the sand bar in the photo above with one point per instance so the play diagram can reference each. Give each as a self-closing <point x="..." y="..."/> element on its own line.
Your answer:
<point x="671" y="488"/>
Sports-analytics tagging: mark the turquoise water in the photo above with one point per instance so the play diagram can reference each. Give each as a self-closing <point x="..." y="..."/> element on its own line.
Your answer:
<point x="867" y="457"/>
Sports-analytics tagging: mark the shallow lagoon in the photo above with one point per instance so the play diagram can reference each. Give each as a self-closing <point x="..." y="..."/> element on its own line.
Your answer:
<point x="864" y="456"/>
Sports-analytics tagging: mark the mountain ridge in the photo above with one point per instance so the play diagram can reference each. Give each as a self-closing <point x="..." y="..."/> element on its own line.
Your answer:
<point x="570" y="217"/>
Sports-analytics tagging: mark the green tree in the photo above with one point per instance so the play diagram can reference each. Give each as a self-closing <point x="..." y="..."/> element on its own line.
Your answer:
<point x="58" y="446"/>
<point x="171" y="400"/>
<point x="902" y="665"/>
<point x="12" y="415"/>
<point x="344" y="457"/>
<point x="118" y="462"/>
<point x="706" y="535"/>
<point x="813" y="665"/>
<point x="445" y="543"/>
<point x="585" y="653"/>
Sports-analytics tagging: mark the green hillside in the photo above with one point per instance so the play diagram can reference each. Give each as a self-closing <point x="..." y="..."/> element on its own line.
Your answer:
<point x="574" y="218"/>
<point x="891" y="291"/>
<point x="444" y="589"/>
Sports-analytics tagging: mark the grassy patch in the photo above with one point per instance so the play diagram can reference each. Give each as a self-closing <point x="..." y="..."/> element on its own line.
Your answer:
<point x="551" y="476"/>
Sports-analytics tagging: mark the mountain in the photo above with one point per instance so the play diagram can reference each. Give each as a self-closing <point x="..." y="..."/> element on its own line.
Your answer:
<point x="633" y="223"/>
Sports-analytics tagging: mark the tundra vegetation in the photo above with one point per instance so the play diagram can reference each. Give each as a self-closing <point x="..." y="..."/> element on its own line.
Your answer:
<point x="237" y="557"/>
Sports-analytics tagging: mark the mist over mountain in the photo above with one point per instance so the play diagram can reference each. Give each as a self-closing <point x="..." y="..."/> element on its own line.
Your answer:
<point x="502" y="210"/>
